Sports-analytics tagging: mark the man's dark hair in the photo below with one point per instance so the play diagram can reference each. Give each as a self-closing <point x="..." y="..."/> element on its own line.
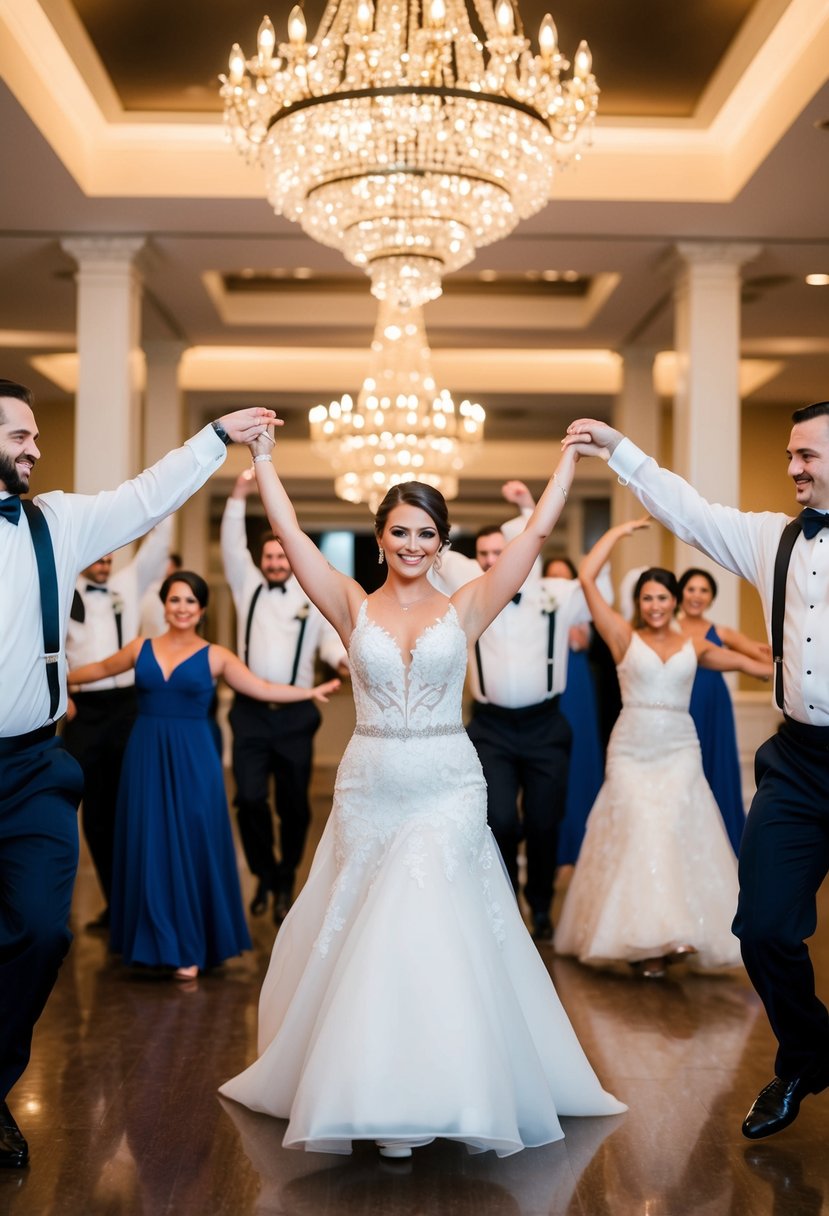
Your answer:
<point x="19" y="392"/>
<point x="265" y="539"/>
<point x="489" y="530"/>
<point x="806" y="413"/>
<point x="176" y="561"/>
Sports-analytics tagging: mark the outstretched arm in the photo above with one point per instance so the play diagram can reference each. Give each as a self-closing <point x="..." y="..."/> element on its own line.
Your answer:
<point x="612" y="626"/>
<point x="337" y="596"/>
<point x="720" y="658"/>
<point x="734" y="640"/>
<point x="241" y="679"/>
<point x="479" y="602"/>
<point x="114" y="665"/>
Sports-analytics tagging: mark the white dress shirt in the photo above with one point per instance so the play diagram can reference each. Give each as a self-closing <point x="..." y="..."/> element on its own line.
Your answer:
<point x="96" y="637"/>
<point x="82" y="527"/>
<point x="746" y="543"/>
<point x="278" y="615"/>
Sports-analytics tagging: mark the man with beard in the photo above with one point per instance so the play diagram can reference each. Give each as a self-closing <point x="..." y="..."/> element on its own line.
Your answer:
<point x="43" y="546"/>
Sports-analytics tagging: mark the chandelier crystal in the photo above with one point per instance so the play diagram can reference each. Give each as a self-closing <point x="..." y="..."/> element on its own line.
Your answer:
<point x="402" y="427"/>
<point x="408" y="135"/>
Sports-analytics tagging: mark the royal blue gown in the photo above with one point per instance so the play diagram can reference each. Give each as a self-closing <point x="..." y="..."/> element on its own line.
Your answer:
<point x="586" y="773"/>
<point x="713" y="715"/>
<point x="176" y="899"/>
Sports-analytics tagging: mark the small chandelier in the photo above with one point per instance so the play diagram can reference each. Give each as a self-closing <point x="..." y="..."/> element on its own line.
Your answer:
<point x="402" y="428"/>
<point x="405" y="137"/>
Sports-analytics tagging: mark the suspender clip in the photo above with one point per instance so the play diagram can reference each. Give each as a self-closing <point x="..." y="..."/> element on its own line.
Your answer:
<point x="52" y="658"/>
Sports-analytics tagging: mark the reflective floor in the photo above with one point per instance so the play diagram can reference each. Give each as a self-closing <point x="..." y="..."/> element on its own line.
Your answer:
<point x="120" y="1107"/>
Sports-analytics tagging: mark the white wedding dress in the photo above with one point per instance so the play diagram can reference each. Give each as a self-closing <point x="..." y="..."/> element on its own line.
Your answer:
<point x="404" y="998"/>
<point x="656" y="870"/>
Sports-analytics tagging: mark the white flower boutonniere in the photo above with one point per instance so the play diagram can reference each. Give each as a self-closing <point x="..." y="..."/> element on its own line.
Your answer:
<point x="549" y="603"/>
<point x="302" y="612"/>
<point x="117" y="603"/>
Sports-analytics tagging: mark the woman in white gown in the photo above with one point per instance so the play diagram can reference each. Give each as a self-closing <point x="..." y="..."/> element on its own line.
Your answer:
<point x="656" y="878"/>
<point x="404" y="999"/>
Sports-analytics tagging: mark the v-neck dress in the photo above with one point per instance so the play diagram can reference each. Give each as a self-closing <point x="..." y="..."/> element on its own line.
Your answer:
<point x="405" y="999"/>
<point x="176" y="899"/>
<point x="656" y="870"/>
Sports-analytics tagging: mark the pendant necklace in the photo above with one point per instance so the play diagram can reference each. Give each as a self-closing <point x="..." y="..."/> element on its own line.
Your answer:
<point x="406" y="607"/>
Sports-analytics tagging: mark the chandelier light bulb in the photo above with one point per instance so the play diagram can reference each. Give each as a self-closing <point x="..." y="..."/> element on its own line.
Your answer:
<point x="297" y="28"/>
<point x="504" y="18"/>
<point x="365" y="16"/>
<point x="548" y="38"/>
<point x="266" y="40"/>
<point x="582" y="61"/>
<point x="437" y="13"/>
<point x="236" y="65"/>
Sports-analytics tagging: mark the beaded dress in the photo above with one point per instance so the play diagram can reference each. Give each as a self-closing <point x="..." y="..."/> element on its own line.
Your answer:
<point x="656" y="870"/>
<point x="404" y="998"/>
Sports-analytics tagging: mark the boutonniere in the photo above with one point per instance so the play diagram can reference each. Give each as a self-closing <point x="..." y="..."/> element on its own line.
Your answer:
<point x="549" y="603"/>
<point x="302" y="613"/>
<point x="117" y="603"/>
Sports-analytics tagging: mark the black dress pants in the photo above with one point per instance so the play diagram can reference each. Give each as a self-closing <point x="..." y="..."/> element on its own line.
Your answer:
<point x="525" y="753"/>
<point x="784" y="857"/>
<point x="40" y="788"/>
<point x="273" y="741"/>
<point x="97" y="738"/>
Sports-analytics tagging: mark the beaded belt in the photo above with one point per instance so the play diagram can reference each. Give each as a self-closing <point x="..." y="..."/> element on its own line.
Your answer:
<point x="677" y="709"/>
<point x="403" y="732"/>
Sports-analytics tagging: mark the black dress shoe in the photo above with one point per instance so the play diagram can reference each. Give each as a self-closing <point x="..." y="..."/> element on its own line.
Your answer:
<point x="542" y="928"/>
<point x="259" y="903"/>
<point x="281" y="906"/>
<point x="775" y="1107"/>
<point x="14" y="1151"/>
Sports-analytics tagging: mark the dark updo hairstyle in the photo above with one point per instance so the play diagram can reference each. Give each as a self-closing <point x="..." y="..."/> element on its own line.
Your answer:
<point x="565" y="561"/>
<point x="656" y="574"/>
<point x="415" y="494"/>
<point x="695" y="572"/>
<point x="194" y="581"/>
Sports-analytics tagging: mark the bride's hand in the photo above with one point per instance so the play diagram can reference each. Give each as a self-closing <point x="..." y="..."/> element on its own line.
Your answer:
<point x="263" y="444"/>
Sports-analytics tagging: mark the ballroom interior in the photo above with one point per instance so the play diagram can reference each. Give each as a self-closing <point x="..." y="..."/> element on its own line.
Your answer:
<point x="675" y="283"/>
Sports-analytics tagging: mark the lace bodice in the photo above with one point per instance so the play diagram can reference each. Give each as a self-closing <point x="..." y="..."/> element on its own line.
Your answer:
<point x="391" y="696"/>
<point x="645" y="681"/>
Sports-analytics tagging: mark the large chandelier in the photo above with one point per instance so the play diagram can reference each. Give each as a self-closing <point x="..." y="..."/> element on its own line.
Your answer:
<point x="402" y="426"/>
<point x="406" y="135"/>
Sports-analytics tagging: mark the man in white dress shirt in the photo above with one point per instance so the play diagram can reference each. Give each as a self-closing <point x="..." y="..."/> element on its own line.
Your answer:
<point x="43" y="546"/>
<point x="784" y="855"/>
<point x="517" y="672"/>
<point x="279" y="635"/>
<point x="102" y="619"/>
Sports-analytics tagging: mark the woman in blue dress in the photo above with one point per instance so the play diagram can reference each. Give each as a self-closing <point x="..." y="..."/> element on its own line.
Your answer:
<point x="711" y="707"/>
<point x="578" y="704"/>
<point x="176" y="900"/>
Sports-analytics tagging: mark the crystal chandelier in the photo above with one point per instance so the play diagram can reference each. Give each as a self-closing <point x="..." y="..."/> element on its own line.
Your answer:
<point x="402" y="427"/>
<point x="408" y="136"/>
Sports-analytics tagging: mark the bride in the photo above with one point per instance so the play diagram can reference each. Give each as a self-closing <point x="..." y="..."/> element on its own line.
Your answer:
<point x="405" y="999"/>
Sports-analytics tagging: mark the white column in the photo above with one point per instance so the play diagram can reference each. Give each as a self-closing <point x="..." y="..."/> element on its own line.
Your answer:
<point x="637" y="414"/>
<point x="107" y="409"/>
<point x="164" y="415"/>
<point x="707" y="401"/>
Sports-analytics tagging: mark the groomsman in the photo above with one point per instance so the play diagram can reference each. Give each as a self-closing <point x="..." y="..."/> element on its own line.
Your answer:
<point x="43" y="545"/>
<point x="279" y="635"/>
<point x="102" y="619"/>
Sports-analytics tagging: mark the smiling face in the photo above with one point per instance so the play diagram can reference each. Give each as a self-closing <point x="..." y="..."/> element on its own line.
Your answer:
<point x="410" y="541"/>
<point x="182" y="610"/>
<point x="697" y="596"/>
<point x="18" y="450"/>
<point x="274" y="563"/>
<point x="656" y="605"/>
<point x="808" y="454"/>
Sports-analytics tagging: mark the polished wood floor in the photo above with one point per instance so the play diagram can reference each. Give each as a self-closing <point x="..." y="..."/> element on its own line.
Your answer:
<point x="122" y="1116"/>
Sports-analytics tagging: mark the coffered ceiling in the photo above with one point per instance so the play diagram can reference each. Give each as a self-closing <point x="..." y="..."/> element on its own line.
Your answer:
<point x="712" y="128"/>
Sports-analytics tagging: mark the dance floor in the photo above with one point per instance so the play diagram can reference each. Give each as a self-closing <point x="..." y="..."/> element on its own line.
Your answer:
<point x="122" y="1116"/>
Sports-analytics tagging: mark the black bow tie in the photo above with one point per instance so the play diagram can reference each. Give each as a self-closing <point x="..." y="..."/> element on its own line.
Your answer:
<point x="10" y="508"/>
<point x="812" y="521"/>
<point x="97" y="587"/>
<point x="516" y="599"/>
<point x="277" y="587"/>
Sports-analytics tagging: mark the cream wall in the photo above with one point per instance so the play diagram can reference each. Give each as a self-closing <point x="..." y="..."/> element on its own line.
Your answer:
<point x="56" y="424"/>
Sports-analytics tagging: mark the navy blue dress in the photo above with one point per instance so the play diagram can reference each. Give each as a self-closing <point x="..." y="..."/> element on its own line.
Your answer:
<point x="176" y="899"/>
<point x="713" y="716"/>
<point x="586" y="773"/>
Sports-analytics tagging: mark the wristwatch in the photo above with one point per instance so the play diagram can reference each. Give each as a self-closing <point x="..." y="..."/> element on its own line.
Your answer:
<point x="222" y="433"/>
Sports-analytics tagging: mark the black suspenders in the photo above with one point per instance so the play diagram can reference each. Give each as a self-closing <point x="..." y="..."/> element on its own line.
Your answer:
<point x="551" y="640"/>
<point x="778" y="602"/>
<point x="249" y="624"/>
<point x="49" y="603"/>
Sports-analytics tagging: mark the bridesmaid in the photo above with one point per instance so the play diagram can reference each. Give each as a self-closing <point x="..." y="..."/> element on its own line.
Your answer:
<point x="176" y="900"/>
<point x="711" y="707"/>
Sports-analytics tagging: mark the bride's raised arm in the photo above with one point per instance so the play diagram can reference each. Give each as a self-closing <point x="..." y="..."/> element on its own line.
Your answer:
<point x="337" y="596"/>
<point x="479" y="602"/>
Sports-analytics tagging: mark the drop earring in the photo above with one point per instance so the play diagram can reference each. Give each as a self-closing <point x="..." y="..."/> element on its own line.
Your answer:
<point x="381" y="557"/>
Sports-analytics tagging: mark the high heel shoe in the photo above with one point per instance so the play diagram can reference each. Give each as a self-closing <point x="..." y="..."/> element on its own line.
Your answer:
<point x="186" y="973"/>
